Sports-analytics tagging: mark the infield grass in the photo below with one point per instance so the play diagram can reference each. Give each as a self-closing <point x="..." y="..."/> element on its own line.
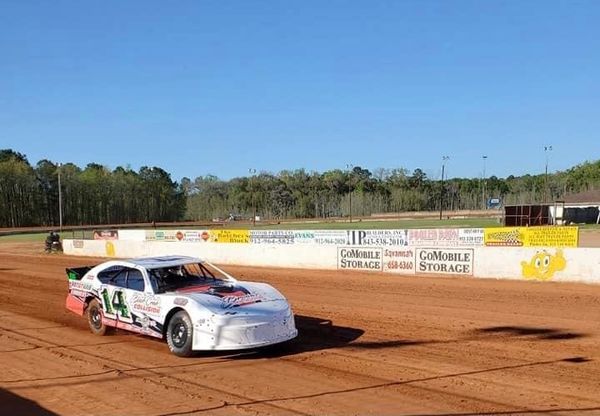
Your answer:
<point x="41" y="237"/>
<point x="380" y="225"/>
<point x="25" y="238"/>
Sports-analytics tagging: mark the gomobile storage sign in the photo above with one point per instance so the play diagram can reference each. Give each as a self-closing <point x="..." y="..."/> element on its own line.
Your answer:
<point x="445" y="260"/>
<point x="550" y="236"/>
<point x="360" y="258"/>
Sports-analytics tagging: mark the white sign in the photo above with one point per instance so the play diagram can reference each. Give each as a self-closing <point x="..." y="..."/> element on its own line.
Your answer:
<point x="360" y="258"/>
<point x="445" y="237"/>
<point x="331" y="237"/>
<point x="470" y="237"/>
<point x="445" y="261"/>
<point x="271" y="237"/>
<point x="321" y="237"/>
<point x="377" y="238"/>
<point x="399" y="260"/>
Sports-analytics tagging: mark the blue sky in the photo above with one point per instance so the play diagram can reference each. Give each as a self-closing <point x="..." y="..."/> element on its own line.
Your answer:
<point x="218" y="87"/>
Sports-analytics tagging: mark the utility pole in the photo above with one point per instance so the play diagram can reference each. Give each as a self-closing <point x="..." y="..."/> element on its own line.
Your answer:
<point x="349" y="166"/>
<point x="547" y="149"/>
<point x="252" y="171"/>
<point x="60" y="215"/>
<point x="484" y="178"/>
<point x="444" y="159"/>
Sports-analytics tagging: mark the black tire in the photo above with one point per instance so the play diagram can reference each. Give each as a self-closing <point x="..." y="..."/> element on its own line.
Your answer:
<point x="180" y="333"/>
<point x="94" y="316"/>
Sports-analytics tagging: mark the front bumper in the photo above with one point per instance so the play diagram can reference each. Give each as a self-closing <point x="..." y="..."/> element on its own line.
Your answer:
<point x="244" y="330"/>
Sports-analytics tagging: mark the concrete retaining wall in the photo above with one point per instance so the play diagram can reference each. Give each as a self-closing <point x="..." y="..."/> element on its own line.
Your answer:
<point x="531" y="263"/>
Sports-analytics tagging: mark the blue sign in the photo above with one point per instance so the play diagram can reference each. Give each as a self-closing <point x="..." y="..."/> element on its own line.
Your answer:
<point x="494" y="203"/>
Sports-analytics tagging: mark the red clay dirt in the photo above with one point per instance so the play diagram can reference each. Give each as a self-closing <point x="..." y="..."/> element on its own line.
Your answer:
<point x="368" y="344"/>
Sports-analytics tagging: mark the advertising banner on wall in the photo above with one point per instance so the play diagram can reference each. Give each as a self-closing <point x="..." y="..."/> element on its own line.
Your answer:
<point x="199" y="236"/>
<point x="377" y="238"/>
<point x="360" y="258"/>
<point x="106" y="235"/>
<point x="230" y="236"/>
<point x="318" y="237"/>
<point x="445" y="261"/>
<point x="271" y="237"/>
<point x="161" y="235"/>
<point x="194" y="236"/>
<point x="553" y="236"/>
<point x="330" y="237"/>
<point x="438" y="237"/>
<point x="399" y="260"/>
<point x="532" y="236"/>
<point x="176" y="235"/>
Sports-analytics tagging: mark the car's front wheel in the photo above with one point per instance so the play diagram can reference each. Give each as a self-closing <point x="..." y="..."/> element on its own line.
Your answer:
<point x="94" y="317"/>
<point x="179" y="334"/>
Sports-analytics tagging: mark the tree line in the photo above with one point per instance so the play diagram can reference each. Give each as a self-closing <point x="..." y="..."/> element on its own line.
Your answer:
<point x="360" y="192"/>
<point x="29" y="195"/>
<point x="97" y="195"/>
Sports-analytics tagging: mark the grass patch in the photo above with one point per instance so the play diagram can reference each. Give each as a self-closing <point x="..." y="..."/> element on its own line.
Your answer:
<point x="41" y="237"/>
<point x="381" y="225"/>
<point x="344" y="225"/>
<point x="589" y="227"/>
<point x="25" y="238"/>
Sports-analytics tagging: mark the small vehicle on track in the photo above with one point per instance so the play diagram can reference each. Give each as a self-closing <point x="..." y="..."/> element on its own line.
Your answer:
<point x="191" y="303"/>
<point x="52" y="243"/>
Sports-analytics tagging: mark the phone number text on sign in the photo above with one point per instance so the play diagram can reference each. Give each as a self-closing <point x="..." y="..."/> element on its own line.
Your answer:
<point x="399" y="260"/>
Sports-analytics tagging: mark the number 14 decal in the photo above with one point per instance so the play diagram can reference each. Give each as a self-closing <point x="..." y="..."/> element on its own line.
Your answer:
<point x="115" y="305"/>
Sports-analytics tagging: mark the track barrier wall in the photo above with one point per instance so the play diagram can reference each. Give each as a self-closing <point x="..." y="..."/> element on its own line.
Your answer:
<point x="529" y="253"/>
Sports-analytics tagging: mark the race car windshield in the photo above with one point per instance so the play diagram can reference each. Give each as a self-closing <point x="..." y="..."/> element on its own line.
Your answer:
<point x="186" y="275"/>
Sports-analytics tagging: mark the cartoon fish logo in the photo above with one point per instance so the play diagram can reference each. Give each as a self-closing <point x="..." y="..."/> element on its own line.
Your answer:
<point x="543" y="265"/>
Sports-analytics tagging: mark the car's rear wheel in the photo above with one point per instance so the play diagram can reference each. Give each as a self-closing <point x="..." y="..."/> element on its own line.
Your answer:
<point x="180" y="334"/>
<point x="94" y="316"/>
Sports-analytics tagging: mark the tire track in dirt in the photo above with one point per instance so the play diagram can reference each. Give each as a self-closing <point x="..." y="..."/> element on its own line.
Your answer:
<point x="369" y="343"/>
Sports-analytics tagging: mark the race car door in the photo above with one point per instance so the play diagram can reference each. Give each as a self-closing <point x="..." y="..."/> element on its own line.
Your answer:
<point x="126" y="303"/>
<point x="143" y="305"/>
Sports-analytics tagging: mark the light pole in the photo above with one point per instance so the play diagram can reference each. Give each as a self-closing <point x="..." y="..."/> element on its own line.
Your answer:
<point x="252" y="172"/>
<point x="444" y="159"/>
<point x="547" y="149"/>
<point x="60" y="215"/>
<point x="349" y="166"/>
<point x="483" y="182"/>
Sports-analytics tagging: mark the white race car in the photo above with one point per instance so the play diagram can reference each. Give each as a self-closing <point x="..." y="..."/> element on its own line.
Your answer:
<point x="190" y="302"/>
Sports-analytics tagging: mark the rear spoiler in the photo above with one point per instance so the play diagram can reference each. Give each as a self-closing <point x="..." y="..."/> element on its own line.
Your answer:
<point x="77" y="273"/>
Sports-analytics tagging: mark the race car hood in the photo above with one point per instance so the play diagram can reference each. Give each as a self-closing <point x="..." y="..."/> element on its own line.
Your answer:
<point x="238" y="297"/>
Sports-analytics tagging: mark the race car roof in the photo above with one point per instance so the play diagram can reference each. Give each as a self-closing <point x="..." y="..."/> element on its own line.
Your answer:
<point x="164" y="261"/>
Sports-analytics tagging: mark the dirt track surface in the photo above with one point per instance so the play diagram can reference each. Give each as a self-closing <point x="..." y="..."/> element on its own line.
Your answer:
<point x="368" y="344"/>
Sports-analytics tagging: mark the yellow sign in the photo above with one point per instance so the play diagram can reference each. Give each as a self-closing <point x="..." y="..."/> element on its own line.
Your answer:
<point x="543" y="265"/>
<point x="504" y="236"/>
<point x="110" y="249"/>
<point x="230" y="236"/>
<point x="549" y="236"/>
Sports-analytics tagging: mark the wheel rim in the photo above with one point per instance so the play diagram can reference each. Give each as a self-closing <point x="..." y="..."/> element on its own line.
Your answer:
<point x="96" y="318"/>
<point x="179" y="334"/>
